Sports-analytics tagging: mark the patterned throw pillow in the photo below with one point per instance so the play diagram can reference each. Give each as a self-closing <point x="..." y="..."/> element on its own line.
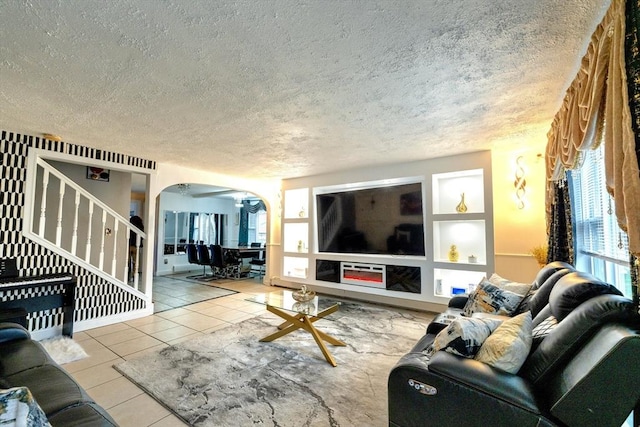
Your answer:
<point x="510" y="285"/>
<point x="489" y="298"/>
<point x="464" y="336"/>
<point x="508" y="346"/>
<point x="19" y="408"/>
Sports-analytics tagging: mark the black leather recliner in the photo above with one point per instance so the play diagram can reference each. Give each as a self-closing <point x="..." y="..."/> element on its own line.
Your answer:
<point x="585" y="372"/>
<point x="25" y="363"/>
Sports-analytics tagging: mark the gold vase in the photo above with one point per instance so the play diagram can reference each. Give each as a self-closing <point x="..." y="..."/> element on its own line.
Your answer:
<point x="453" y="253"/>
<point x="462" y="207"/>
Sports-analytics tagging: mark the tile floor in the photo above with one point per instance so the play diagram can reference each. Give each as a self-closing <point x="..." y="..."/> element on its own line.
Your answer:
<point x="109" y="345"/>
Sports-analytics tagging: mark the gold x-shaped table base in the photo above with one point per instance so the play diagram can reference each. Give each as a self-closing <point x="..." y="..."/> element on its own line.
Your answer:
<point x="302" y="321"/>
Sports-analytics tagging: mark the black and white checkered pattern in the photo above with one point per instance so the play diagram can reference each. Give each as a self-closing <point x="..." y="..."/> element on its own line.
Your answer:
<point x="95" y="298"/>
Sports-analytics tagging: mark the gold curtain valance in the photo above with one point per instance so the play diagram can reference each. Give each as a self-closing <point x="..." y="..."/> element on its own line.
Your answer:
<point x="597" y="101"/>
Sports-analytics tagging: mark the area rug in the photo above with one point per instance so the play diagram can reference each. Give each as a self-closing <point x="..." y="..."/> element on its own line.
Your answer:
<point x="63" y="349"/>
<point x="229" y="378"/>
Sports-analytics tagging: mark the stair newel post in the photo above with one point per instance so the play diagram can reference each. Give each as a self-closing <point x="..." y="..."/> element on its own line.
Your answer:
<point x="59" y="219"/>
<point x="74" y="236"/>
<point x="104" y="232"/>
<point x="87" y="252"/>
<point x="43" y="203"/>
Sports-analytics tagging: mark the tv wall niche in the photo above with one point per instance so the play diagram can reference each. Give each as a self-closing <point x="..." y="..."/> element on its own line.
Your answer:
<point x="379" y="220"/>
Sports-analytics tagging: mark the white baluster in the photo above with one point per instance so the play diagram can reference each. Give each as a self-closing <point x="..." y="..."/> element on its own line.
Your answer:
<point x="128" y="274"/>
<point x="43" y="203"/>
<point x="59" y="219"/>
<point x="136" y="261"/>
<point x="115" y="247"/>
<point x="87" y="253"/>
<point x="74" y="236"/>
<point x="104" y="232"/>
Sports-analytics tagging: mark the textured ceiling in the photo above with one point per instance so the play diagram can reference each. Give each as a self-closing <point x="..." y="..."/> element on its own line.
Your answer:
<point x="288" y="88"/>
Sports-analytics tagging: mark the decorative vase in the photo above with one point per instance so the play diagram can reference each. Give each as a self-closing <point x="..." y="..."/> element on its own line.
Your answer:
<point x="462" y="207"/>
<point x="453" y="253"/>
<point x="300" y="245"/>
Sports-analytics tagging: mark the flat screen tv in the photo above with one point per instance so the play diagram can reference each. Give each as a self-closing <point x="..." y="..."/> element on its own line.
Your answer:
<point x="383" y="220"/>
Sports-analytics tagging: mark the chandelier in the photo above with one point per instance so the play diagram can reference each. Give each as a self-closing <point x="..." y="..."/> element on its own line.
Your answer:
<point x="183" y="189"/>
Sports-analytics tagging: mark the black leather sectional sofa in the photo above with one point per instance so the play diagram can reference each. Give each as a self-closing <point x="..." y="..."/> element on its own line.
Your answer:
<point x="25" y="363"/>
<point x="585" y="371"/>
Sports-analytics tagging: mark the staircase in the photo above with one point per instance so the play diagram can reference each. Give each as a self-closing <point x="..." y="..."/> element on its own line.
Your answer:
<point x="68" y="220"/>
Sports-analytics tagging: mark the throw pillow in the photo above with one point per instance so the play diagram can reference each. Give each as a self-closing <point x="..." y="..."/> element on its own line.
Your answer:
<point x="19" y="408"/>
<point x="489" y="298"/>
<point x="464" y="336"/>
<point x="508" y="346"/>
<point x="510" y="285"/>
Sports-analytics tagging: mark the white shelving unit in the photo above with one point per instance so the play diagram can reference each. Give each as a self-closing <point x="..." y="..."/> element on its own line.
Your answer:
<point x="465" y="227"/>
<point x="296" y="233"/>
<point x="432" y="278"/>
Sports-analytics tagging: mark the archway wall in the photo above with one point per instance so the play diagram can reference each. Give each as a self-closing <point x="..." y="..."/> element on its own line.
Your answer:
<point x="268" y="190"/>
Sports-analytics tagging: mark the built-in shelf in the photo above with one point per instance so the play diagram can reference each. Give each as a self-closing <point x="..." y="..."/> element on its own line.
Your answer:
<point x="448" y="190"/>
<point x="469" y="237"/>
<point x="296" y="203"/>
<point x="448" y="283"/>
<point x="295" y="233"/>
<point x="296" y="267"/>
<point x="296" y="236"/>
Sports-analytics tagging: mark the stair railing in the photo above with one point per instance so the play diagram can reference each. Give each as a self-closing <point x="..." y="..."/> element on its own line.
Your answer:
<point x="82" y="228"/>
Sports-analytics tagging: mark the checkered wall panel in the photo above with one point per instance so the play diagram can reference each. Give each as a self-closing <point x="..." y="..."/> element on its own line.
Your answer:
<point x="94" y="297"/>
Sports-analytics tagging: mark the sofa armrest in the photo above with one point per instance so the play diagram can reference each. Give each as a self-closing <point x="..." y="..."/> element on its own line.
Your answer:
<point x="485" y="379"/>
<point x="12" y="331"/>
<point x="448" y="390"/>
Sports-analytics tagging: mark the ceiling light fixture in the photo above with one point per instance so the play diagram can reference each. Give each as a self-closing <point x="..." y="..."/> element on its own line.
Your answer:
<point x="183" y="189"/>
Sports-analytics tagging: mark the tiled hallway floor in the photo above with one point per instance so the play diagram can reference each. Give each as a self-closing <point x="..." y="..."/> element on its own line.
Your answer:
<point x="110" y="345"/>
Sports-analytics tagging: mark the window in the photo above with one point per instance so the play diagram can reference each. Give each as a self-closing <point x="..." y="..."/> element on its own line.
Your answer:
<point x="257" y="228"/>
<point x="601" y="247"/>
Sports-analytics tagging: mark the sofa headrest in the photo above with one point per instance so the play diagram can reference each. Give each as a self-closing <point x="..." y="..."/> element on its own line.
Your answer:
<point x="541" y="297"/>
<point x="574" y="331"/>
<point x="573" y="289"/>
<point x="548" y="270"/>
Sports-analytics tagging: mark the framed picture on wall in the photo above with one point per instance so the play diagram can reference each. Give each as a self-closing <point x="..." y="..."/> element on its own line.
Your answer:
<point x="98" y="174"/>
<point x="411" y="203"/>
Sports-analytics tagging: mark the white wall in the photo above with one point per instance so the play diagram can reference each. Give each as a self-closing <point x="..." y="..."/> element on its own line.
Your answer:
<point x="518" y="230"/>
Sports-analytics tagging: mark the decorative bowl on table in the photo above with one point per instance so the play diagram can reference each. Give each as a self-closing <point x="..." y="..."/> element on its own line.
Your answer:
<point x="303" y="295"/>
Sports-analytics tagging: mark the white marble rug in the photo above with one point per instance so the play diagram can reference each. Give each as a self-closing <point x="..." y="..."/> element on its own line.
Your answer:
<point x="229" y="378"/>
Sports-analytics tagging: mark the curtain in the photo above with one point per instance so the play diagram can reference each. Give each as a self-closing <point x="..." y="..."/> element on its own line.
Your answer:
<point x="560" y="244"/>
<point x="245" y="210"/>
<point x="632" y="57"/>
<point x="599" y="95"/>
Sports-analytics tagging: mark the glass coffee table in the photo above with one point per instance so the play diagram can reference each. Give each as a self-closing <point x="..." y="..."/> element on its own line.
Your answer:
<point x="299" y="315"/>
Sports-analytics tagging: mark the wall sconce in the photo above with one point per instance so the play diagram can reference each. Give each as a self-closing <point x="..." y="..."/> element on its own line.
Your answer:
<point x="520" y="183"/>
